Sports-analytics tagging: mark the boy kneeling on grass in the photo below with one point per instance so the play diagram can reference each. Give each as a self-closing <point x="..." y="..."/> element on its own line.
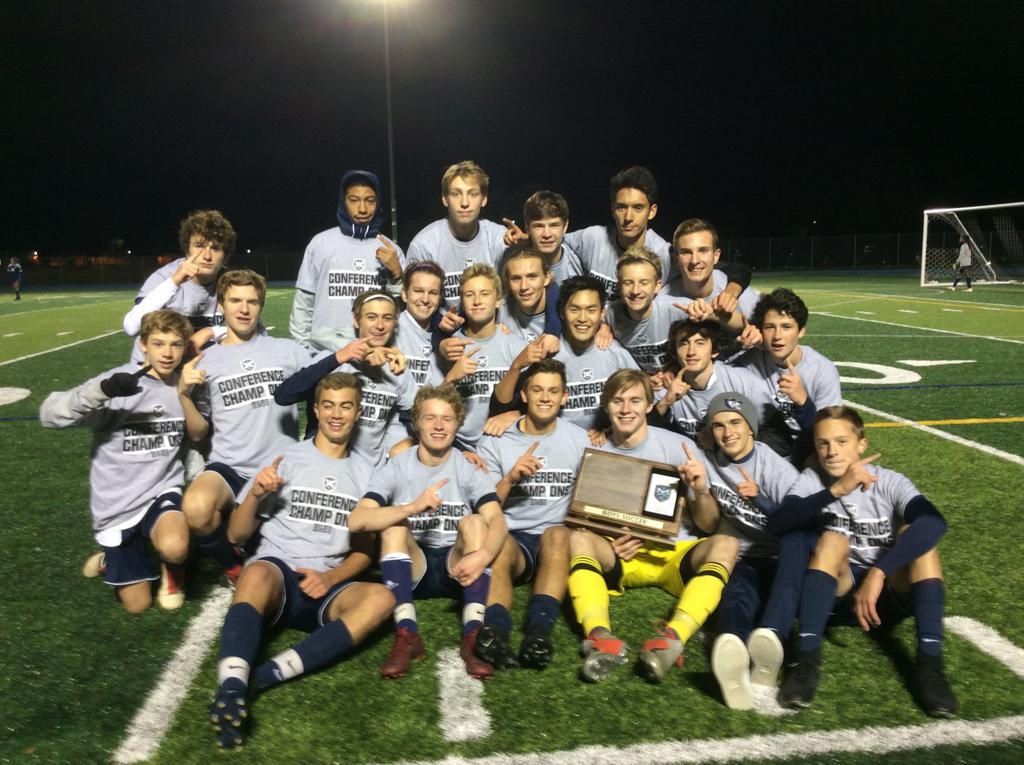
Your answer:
<point x="137" y="474"/>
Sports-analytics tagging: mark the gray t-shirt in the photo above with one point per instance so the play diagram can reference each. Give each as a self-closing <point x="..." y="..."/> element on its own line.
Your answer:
<point x="747" y="299"/>
<point x="306" y="522"/>
<point x="248" y="428"/>
<point x="494" y="359"/>
<point x="336" y="269"/>
<point x="687" y="414"/>
<point x="666" y="447"/>
<point x="384" y="394"/>
<point x="194" y="301"/>
<point x="540" y="500"/>
<point x="819" y="375"/>
<point x="136" y="448"/>
<point x="869" y="519"/>
<point x="585" y="376"/>
<point x="404" y="478"/>
<point x="963" y="259"/>
<point x="415" y="342"/>
<point x="747" y="518"/>
<point x="437" y="243"/>
<point x="526" y="326"/>
<point x="599" y="253"/>
<point x="567" y="266"/>
<point x="647" y="339"/>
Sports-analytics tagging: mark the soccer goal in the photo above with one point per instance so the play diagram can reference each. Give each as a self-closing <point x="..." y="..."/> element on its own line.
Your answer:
<point x="993" y="232"/>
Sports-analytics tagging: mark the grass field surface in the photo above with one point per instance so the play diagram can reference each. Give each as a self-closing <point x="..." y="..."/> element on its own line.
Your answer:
<point x="940" y="378"/>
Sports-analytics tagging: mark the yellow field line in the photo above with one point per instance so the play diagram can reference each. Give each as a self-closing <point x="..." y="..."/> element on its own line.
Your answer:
<point x="968" y="421"/>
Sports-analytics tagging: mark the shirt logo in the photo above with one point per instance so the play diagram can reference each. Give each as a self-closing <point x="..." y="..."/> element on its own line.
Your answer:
<point x="359" y="264"/>
<point x="531" y="336"/>
<point x="542" y="460"/>
<point x="330" y="482"/>
<point x="469" y="262"/>
<point x="370" y="384"/>
<point x="587" y="374"/>
<point x="481" y="362"/>
<point x="641" y="339"/>
<point x="158" y="410"/>
<point x="426" y="349"/>
<point x="248" y="365"/>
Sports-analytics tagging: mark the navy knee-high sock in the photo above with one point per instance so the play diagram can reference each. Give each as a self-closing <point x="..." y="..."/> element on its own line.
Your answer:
<point x="473" y="599"/>
<point x="498" y="616"/>
<point x="929" y="602"/>
<point x="816" y="602"/>
<point x="239" y="642"/>
<point x="542" y="611"/>
<point x="322" y="647"/>
<point x="396" y="571"/>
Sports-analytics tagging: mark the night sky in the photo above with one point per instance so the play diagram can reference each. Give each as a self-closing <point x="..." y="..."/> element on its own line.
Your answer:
<point x="120" y="117"/>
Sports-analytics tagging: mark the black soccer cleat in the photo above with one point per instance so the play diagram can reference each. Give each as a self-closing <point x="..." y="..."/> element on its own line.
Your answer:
<point x="536" y="649"/>
<point x="799" y="684"/>
<point x="227" y="717"/>
<point x="933" y="691"/>
<point x="493" y="647"/>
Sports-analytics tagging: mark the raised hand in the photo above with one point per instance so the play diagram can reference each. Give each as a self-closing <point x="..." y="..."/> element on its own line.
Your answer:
<point x="187" y="269"/>
<point x="466" y="365"/>
<point x="499" y="423"/>
<point x="268" y="480"/>
<point x="387" y="254"/>
<point x="452" y="348"/>
<point x="750" y="337"/>
<point x="791" y="384"/>
<point x="397" y="361"/>
<point x="675" y="389"/>
<point x="526" y="465"/>
<point x="124" y="383"/>
<point x="451" y="320"/>
<point x="604" y="337"/>
<point x="513" y="233"/>
<point x="748" y="487"/>
<point x="354" y="351"/>
<point x="724" y="303"/>
<point x="856" y="475"/>
<point x="531" y="354"/>
<point x="430" y="500"/>
<point x="190" y="375"/>
<point x="698" y="310"/>
<point x="693" y="472"/>
<point x="597" y="437"/>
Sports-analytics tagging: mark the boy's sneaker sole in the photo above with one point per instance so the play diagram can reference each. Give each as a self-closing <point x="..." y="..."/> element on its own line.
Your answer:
<point x="730" y="664"/>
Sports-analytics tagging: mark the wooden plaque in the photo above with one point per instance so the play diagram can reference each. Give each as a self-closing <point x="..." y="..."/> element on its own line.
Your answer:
<point x="614" y="491"/>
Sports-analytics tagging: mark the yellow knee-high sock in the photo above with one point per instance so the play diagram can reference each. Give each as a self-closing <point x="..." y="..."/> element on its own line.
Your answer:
<point x="589" y="593"/>
<point x="700" y="597"/>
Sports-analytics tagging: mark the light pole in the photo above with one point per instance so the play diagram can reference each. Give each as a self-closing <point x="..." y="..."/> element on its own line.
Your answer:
<point x="391" y="137"/>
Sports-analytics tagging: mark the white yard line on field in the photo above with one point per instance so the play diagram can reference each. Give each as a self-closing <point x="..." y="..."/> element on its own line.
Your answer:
<point x="1014" y="458"/>
<point x="155" y="716"/>
<point x="59" y="347"/>
<point x="463" y="716"/>
<point x="926" y="329"/>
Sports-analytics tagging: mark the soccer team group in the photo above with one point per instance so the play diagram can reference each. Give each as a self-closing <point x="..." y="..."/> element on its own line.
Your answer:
<point x="451" y="390"/>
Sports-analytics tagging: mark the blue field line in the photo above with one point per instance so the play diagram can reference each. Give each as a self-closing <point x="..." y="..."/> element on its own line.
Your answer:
<point x="16" y="419"/>
<point x="887" y="388"/>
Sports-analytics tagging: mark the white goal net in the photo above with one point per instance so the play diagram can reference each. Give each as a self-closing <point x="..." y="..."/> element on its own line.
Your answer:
<point x="995" y="234"/>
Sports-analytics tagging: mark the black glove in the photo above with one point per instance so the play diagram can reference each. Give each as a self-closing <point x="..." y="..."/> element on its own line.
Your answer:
<point x="123" y="383"/>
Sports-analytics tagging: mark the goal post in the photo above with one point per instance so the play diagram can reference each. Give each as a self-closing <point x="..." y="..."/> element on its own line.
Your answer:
<point x="995" y="234"/>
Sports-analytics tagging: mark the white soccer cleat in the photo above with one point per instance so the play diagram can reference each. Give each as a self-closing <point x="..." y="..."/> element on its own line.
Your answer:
<point x="766" y="655"/>
<point x="730" y="663"/>
<point x="171" y="594"/>
<point x="94" y="565"/>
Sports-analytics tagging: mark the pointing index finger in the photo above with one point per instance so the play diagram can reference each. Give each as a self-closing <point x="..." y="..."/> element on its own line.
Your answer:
<point x="142" y="372"/>
<point x="746" y="475"/>
<point x="276" y="462"/>
<point x="533" y="448"/>
<point x="869" y="460"/>
<point x="689" y="454"/>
